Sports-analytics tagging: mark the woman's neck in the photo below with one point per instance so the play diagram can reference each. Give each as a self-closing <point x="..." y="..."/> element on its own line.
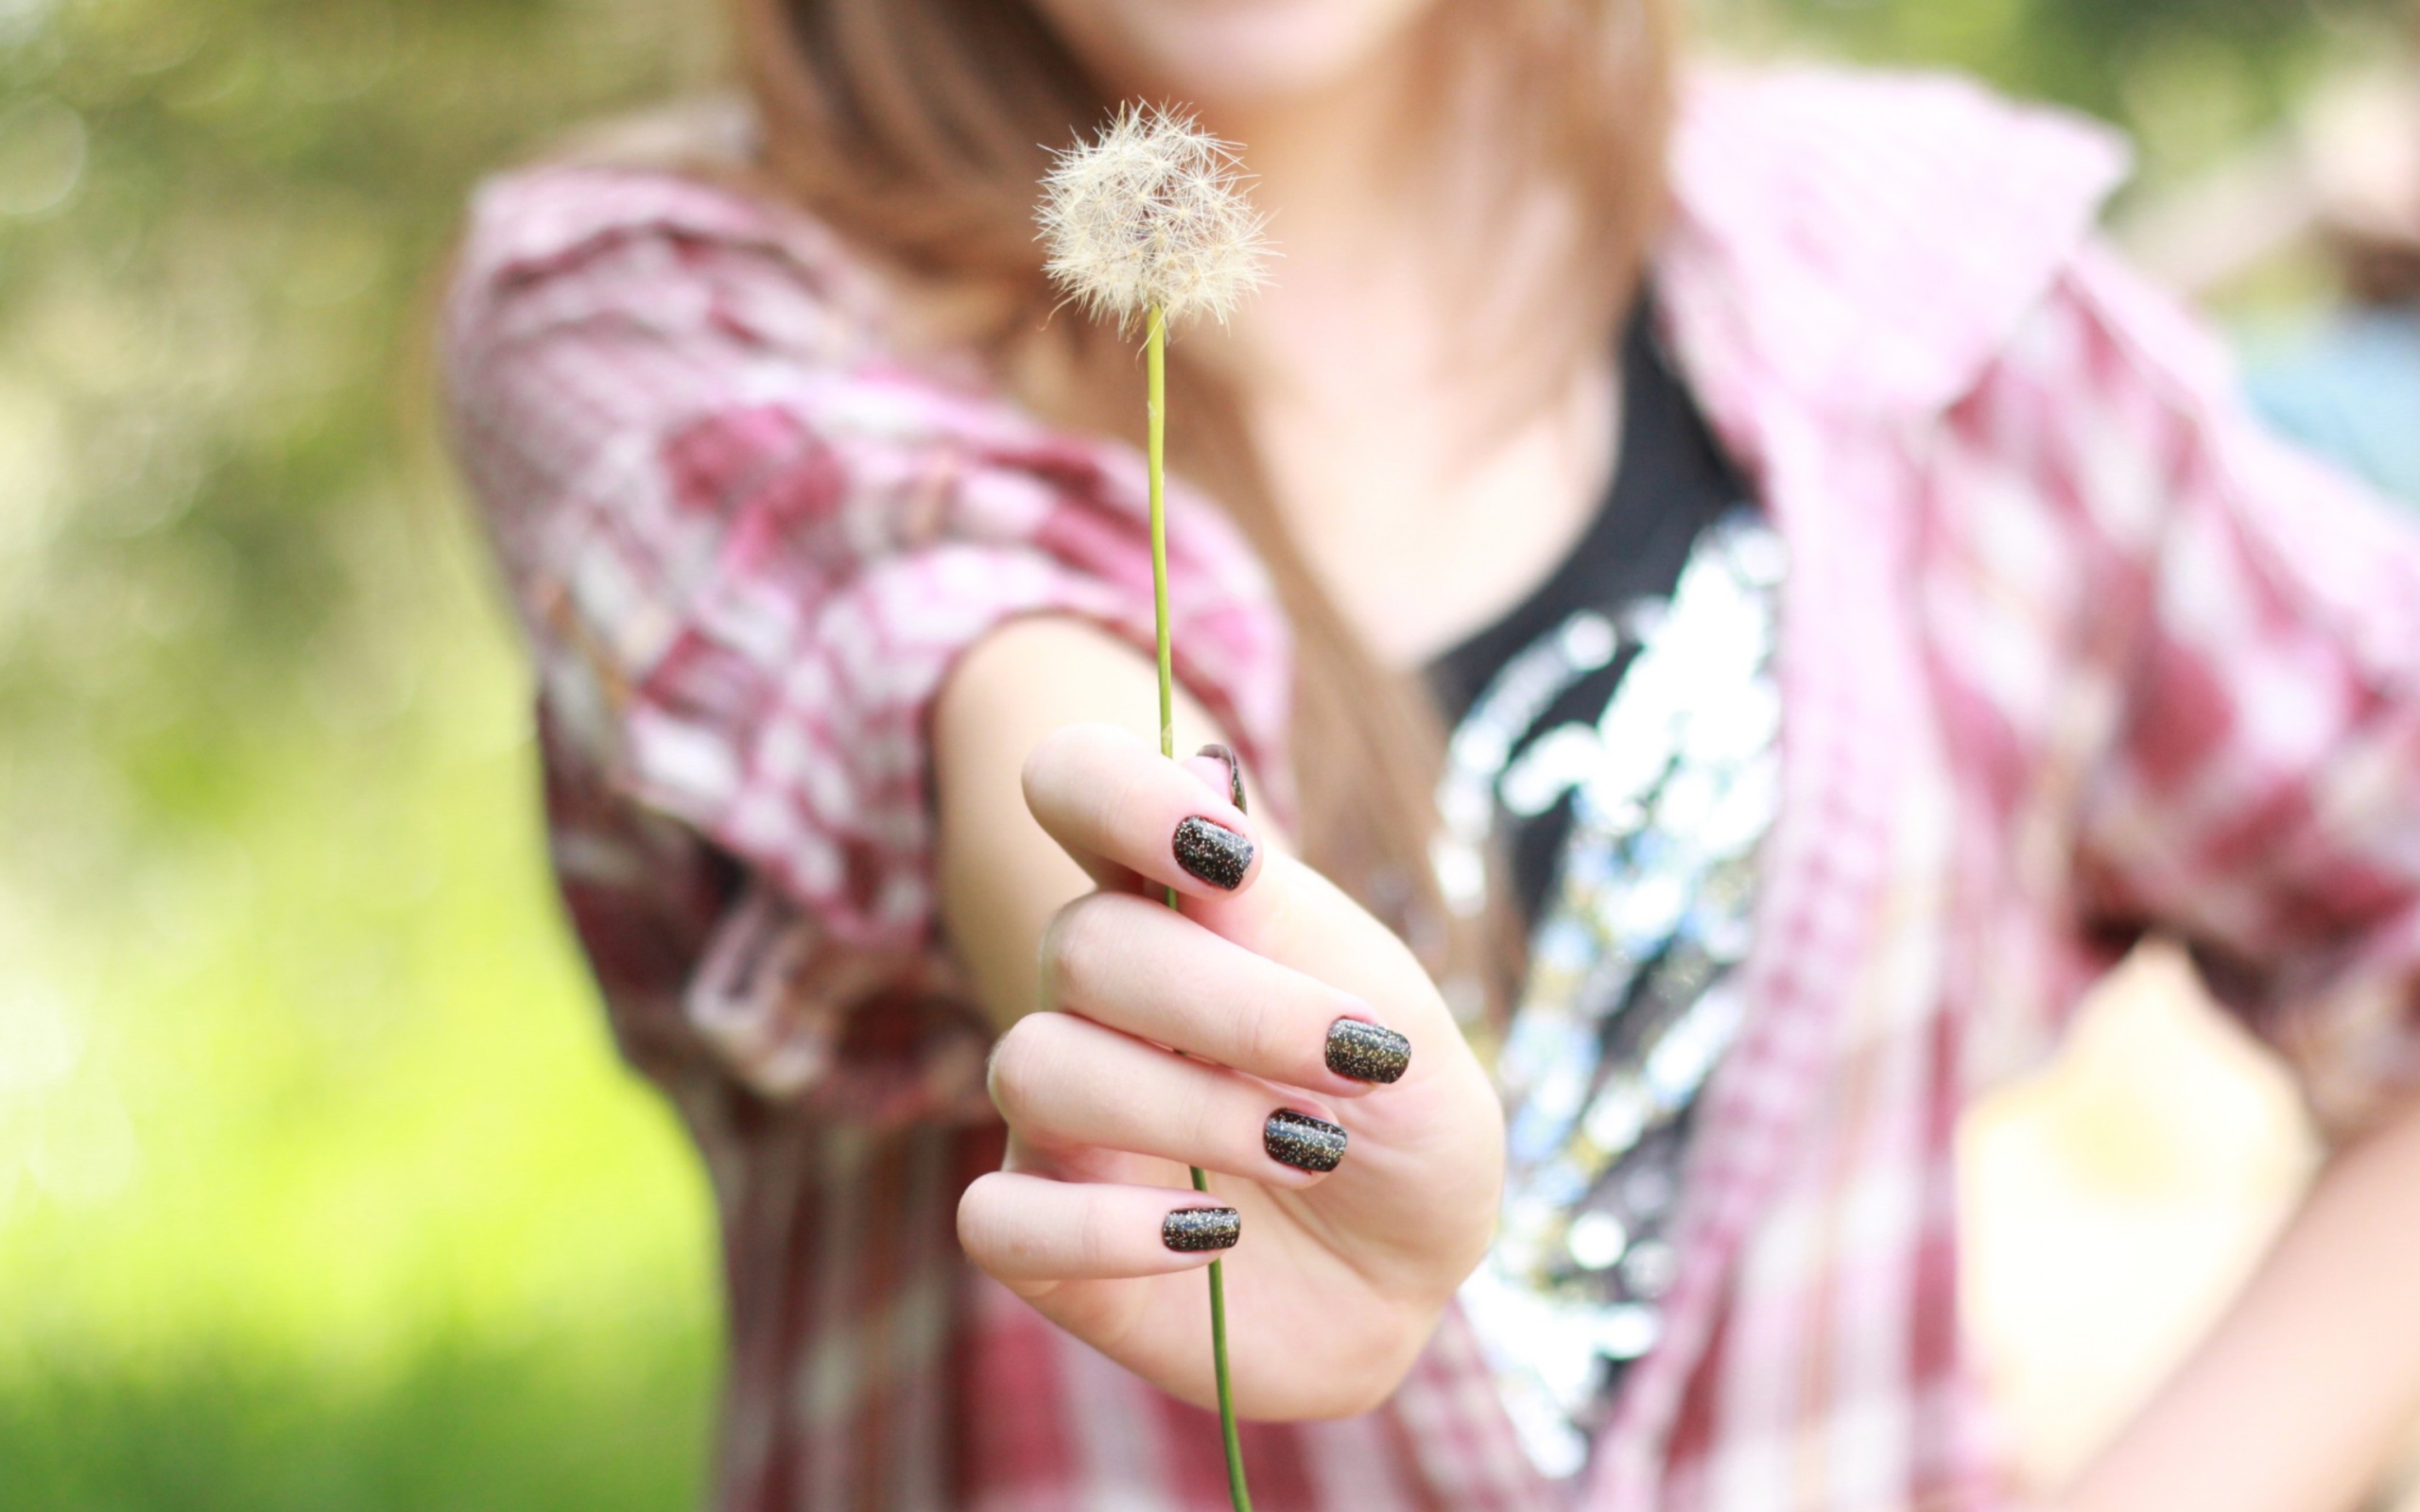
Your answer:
<point x="1349" y="213"/>
<point x="1329" y="168"/>
<point x="1429" y="474"/>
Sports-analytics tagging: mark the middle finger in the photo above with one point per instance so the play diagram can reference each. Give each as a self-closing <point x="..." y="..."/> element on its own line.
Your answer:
<point x="1141" y="968"/>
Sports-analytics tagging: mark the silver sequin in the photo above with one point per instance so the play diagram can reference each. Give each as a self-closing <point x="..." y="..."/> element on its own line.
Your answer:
<point x="1631" y="998"/>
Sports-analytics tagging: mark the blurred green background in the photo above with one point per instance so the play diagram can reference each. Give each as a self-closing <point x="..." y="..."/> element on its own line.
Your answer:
<point x="319" y="1186"/>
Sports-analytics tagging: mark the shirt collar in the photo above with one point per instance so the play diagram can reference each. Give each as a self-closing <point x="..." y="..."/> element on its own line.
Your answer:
<point x="1865" y="244"/>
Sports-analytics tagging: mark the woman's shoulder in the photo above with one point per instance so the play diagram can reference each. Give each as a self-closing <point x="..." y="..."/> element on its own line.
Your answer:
<point x="664" y="209"/>
<point x="1870" y="239"/>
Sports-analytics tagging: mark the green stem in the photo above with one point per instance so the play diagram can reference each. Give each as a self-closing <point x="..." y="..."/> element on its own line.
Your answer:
<point x="1155" y="364"/>
<point x="1235" y="1492"/>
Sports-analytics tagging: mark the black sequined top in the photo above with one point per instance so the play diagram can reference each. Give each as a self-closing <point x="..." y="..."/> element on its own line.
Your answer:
<point x="1616" y="732"/>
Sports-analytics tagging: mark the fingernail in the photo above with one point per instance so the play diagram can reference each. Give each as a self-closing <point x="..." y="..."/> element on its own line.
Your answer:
<point x="1234" y="771"/>
<point x="1213" y="852"/>
<point x="1364" y="1052"/>
<point x="1305" y="1142"/>
<point x="1190" y="1230"/>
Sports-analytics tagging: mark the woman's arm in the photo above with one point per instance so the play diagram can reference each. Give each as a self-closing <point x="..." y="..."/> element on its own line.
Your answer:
<point x="2257" y="796"/>
<point x="2296" y="1401"/>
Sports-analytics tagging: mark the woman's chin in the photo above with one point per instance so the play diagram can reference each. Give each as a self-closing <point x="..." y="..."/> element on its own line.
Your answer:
<point x="1226" y="56"/>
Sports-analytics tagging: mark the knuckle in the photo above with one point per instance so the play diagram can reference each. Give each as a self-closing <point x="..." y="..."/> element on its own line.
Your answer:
<point x="1118" y="774"/>
<point x="1207" y="1116"/>
<point x="1094" y="1248"/>
<point x="1019" y="1066"/>
<point x="1107" y="796"/>
<point x="1072" y="948"/>
<point x="1043" y="763"/>
<point x="1063" y="763"/>
<point x="1262" y="1029"/>
<point x="979" y="1220"/>
<point x="1119" y="787"/>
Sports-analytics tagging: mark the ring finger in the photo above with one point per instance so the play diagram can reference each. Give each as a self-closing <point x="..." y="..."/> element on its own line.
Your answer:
<point x="1067" y="1082"/>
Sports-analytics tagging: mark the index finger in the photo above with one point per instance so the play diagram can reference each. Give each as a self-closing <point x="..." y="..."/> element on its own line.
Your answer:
<point x="1125" y="813"/>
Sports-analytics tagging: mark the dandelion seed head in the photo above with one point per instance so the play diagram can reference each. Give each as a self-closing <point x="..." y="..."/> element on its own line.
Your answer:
<point x="1152" y="212"/>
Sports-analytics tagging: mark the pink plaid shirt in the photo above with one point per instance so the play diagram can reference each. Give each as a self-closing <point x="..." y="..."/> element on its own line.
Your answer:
<point x="2070" y="650"/>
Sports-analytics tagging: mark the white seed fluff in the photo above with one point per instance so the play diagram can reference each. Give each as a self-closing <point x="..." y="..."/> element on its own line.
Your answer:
<point x="1151" y="214"/>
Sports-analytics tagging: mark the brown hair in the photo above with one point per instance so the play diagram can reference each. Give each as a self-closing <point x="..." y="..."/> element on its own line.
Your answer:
<point x="918" y="130"/>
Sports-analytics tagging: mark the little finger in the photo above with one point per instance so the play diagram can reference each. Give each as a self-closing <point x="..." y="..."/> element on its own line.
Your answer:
<point x="1022" y="1228"/>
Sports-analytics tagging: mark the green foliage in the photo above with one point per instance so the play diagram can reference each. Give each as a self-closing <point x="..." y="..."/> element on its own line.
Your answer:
<point x="473" y="1427"/>
<point x="319" y="1185"/>
<point x="2188" y="79"/>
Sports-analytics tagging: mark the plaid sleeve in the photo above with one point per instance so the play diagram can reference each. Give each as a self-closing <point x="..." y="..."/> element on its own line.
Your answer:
<point x="747" y="547"/>
<point x="2260" y="793"/>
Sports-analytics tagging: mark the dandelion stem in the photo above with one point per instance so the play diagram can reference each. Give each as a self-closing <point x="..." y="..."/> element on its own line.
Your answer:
<point x="1155" y="366"/>
<point x="1241" y="1498"/>
<point x="1156" y="362"/>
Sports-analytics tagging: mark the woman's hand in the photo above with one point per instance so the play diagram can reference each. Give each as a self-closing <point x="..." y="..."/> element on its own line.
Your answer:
<point x="1236" y="1036"/>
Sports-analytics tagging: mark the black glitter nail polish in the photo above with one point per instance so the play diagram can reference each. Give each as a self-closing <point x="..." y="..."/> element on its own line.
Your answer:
<point x="1365" y="1052"/>
<point x="1190" y="1230"/>
<point x="1234" y="771"/>
<point x="1305" y="1142"/>
<point x="1213" y="852"/>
